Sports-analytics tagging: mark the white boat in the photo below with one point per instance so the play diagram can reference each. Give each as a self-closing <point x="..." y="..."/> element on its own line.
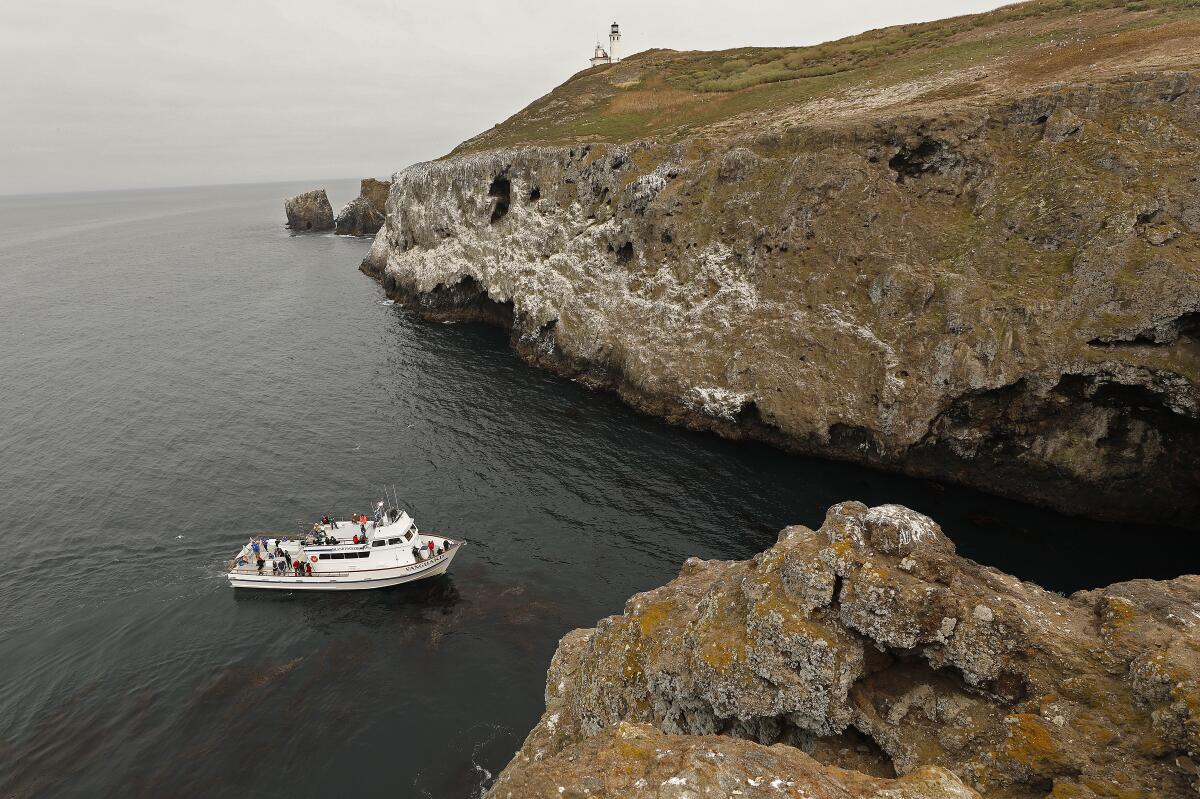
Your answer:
<point x="347" y="555"/>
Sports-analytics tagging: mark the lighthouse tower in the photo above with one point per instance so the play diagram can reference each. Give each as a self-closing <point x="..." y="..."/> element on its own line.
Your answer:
<point x="614" y="38"/>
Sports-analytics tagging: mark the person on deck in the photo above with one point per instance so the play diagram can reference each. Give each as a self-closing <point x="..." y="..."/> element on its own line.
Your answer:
<point x="431" y="549"/>
<point x="308" y="569"/>
<point x="296" y="567"/>
<point x="261" y="563"/>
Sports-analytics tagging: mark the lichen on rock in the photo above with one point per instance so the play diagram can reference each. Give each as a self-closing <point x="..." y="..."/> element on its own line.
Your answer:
<point x="826" y="643"/>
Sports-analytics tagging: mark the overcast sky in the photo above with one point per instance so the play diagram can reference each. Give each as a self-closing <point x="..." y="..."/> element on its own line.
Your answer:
<point x="131" y="93"/>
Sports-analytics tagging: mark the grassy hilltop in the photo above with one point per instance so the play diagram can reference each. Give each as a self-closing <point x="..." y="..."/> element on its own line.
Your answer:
<point x="665" y="93"/>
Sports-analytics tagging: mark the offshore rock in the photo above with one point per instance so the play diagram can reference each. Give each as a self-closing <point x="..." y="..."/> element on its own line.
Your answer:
<point x="1002" y="294"/>
<point x="309" y="211"/>
<point x="871" y="646"/>
<point x="364" y="215"/>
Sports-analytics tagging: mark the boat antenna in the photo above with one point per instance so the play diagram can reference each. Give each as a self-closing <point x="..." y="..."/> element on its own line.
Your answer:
<point x="398" y="500"/>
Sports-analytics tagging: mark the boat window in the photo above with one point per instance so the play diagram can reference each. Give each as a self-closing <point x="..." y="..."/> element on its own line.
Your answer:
<point x="393" y="540"/>
<point x="336" y="555"/>
<point x="364" y="554"/>
<point x="378" y="543"/>
<point x="323" y="556"/>
<point x="408" y="535"/>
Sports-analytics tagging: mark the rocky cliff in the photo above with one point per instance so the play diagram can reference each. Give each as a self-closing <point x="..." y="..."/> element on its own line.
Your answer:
<point x="365" y="213"/>
<point x="967" y="250"/>
<point x="874" y="649"/>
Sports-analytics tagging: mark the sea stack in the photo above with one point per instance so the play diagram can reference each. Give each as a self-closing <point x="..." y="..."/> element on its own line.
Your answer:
<point x="364" y="215"/>
<point x="309" y="211"/>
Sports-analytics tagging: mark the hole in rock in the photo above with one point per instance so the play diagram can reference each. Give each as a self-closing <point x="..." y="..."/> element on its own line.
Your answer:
<point x="928" y="157"/>
<point x="625" y="252"/>
<point x="535" y="194"/>
<point x="308" y="225"/>
<point x="501" y="189"/>
<point x="1042" y="119"/>
<point x="852" y="437"/>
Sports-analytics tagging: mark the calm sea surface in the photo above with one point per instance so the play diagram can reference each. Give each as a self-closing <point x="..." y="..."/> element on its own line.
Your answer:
<point x="177" y="371"/>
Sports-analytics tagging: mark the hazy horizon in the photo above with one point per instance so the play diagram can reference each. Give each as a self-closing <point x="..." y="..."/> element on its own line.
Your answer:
<point x="137" y="95"/>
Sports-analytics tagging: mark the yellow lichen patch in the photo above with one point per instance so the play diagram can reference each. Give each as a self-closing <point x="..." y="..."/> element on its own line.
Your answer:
<point x="1095" y="729"/>
<point x="775" y="604"/>
<point x="1116" y="613"/>
<point x="1030" y="743"/>
<point x="652" y="615"/>
<point x="721" y="653"/>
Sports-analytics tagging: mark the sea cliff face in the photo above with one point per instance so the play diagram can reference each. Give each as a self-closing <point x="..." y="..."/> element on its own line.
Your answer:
<point x="864" y="650"/>
<point x="1002" y="294"/>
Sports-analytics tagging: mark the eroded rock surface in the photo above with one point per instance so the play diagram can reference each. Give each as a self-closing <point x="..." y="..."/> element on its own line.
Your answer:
<point x="309" y="211"/>
<point x="364" y="215"/>
<point x="870" y="645"/>
<point x="1005" y="295"/>
<point x="637" y="761"/>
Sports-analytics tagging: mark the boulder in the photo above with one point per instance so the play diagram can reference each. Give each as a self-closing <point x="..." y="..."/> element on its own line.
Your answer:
<point x="871" y="646"/>
<point x="309" y="211"/>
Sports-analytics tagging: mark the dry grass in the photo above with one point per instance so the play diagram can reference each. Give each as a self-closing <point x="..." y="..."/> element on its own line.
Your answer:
<point x="662" y="93"/>
<point x="1115" y="48"/>
<point x="648" y="101"/>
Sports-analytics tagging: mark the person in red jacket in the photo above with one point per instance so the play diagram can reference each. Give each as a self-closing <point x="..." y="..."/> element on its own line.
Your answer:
<point x="308" y="569"/>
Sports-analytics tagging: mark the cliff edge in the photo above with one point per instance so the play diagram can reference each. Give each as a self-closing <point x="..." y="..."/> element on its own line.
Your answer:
<point x="967" y="250"/>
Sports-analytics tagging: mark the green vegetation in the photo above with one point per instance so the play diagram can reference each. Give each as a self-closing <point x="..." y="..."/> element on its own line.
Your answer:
<point x="664" y="93"/>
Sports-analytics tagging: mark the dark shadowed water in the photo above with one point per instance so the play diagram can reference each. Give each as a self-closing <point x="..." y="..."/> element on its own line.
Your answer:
<point x="177" y="372"/>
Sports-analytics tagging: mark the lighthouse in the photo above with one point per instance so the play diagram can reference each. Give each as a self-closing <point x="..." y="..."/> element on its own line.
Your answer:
<point x="600" y="56"/>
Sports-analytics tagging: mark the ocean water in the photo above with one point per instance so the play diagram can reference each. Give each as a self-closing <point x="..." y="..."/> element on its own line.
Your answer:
<point x="178" y="371"/>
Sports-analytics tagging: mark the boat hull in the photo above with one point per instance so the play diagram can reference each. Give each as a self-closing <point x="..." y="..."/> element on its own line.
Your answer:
<point x="346" y="581"/>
